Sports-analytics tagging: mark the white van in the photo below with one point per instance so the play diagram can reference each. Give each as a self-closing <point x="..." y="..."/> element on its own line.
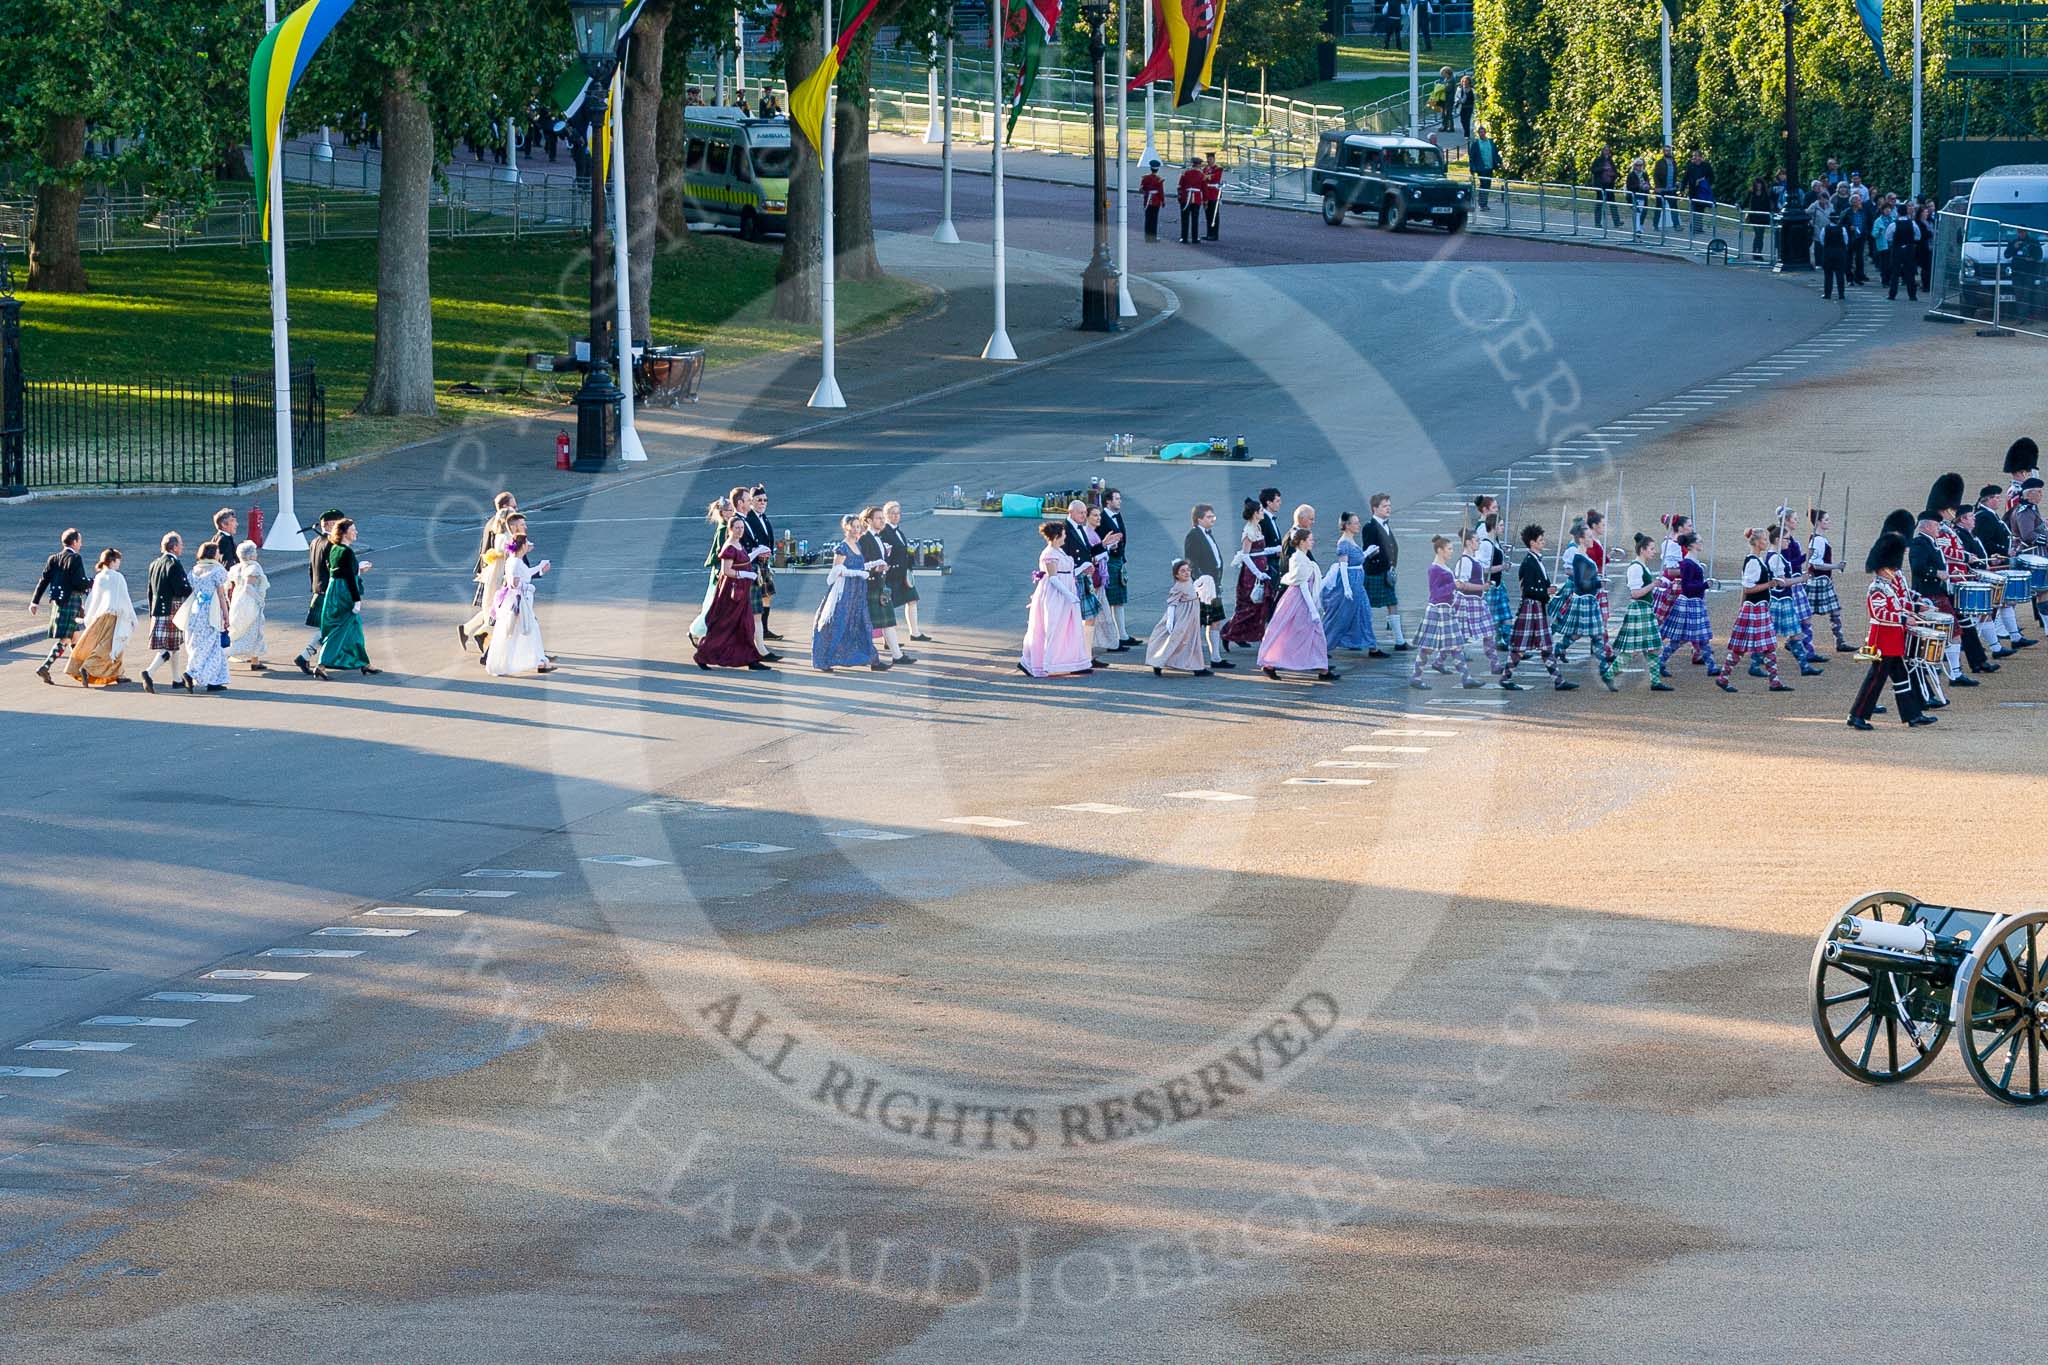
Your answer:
<point x="2003" y="200"/>
<point x="736" y="170"/>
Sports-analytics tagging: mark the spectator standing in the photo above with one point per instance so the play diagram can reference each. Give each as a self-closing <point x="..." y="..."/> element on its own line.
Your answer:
<point x="1484" y="161"/>
<point x="1834" y="257"/>
<point x="1605" y="174"/>
<point x="1818" y="210"/>
<point x="1923" y="253"/>
<point x="1756" y="211"/>
<point x="1638" y="192"/>
<point x="1881" y="230"/>
<point x="1665" y="176"/>
<point x="1390" y="27"/>
<point x="1443" y="97"/>
<point x="1699" y="187"/>
<point x="1425" y="21"/>
<point x="1904" y="256"/>
<point x="1467" y="99"/>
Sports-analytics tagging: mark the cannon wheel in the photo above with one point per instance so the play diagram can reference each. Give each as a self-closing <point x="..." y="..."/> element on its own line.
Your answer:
<point x="2002" y="998"/>
<point x="1864" y="1018"/>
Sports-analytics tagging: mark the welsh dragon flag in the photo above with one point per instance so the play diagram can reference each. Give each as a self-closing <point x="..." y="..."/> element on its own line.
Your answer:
<point x="1040" y="19"/>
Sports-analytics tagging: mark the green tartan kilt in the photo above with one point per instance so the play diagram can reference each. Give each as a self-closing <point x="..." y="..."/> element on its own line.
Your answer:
<point x="1638" y="631"/>
<point x="64" y="618"/>
<point x="881" y="615"/>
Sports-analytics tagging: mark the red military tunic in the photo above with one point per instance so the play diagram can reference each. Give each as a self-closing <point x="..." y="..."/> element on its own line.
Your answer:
<point x="1888" y="605"/>
<point x="1212" y="183"/>
<point x="1152" y="191"/>
<point x="1189" y="187"/>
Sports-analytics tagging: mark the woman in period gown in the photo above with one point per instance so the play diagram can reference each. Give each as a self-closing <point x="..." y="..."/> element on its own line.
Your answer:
<point x="1347" y="612"/>
<point x="109" y="622"/>
<point x="515" y="628"/>
<point x="1249" y="624"/>
<point x="1105" y="635"/>
<point x="718" y="514"/>
<point x="1176" y="641"/>
<point x="1294" y="637"/>
<point x="842" y="635"/>
<point x="204" y="618"/>
<point x="729" y="623"/>
<point x="1055" y="636"/>
<point x="248" y="596"/>
<point x="342" y="643"/>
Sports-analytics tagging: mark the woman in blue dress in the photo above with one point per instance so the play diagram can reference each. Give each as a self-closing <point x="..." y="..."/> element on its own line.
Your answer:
<point x="842" y="636"/>
<point x="1347" y="614"/>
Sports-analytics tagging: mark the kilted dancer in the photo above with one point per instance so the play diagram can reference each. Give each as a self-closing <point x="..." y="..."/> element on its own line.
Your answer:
<point x="1666" y="595"/>
<point x="1581" y="609"/>
<point x="1785" y="603"/>
<point x="1821" y="594"/>
<point x="1473" y="617"/>
<point x="1795" y="563"/>
<point x="1686" y="623"/>
<point x="1436" y="641"/>
<point x="67" y="585"/>
<point x="1638" y="632"/>
<point x="1753" y="632"/>
<point x="1530" y="634"/>
<point x="1496" y="561"/>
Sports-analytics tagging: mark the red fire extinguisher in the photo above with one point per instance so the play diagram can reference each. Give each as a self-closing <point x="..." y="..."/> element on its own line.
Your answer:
<point x="256" y="524"/>
<point x="561" y="450"/>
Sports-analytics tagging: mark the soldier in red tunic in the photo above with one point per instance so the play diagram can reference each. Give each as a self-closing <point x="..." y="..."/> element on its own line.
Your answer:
<point x="1152" y="194"/>
<point x="1212" y="193"/>
<point x="1189" y="189"/>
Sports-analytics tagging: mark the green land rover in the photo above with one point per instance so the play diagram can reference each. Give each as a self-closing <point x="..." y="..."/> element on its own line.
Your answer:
<point x="1400" y="180"/>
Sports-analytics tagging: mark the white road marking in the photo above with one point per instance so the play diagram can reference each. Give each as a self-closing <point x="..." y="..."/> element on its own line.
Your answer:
<point x="876" y="835"/>
<point x="982" y="821"/>
<point x="71" y="1045"/>
<point x="248" y="974"/>
<point x="1203" y="795"/>
<point x="198" y="998"/>
<point x="311" y="952"/>
<point x="1356" y="763"/>
<point x="456" y="892"/>
<point x="1422" y="734"/>
<point x="416" y="911"/>
<point x="134" y="1021"/>
<point x="34" y="1072"/>
<point x="509" y="872"/>
<point x="667" y="807"/>
<point x="626" y="860"/>
<point x="360" y="931"/>
<point x="1465" y="703"/>
<point x="1386" y="748"/>
<point x="1328" y="782"/>
<point x="748" y="846"/>
<point x="1098" y="808"/>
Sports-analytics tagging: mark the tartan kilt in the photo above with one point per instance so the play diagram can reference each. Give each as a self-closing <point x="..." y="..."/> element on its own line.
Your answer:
<point x="1091" y="603"/>
<point x="1503" y="614"/>
<point x="1687" y="623"/>
<point x="1579" y="614"/>
<point x="1638" y="631"/>
<point x="164" y="635"/>
<point x="881" y="616"/>
<point x="761" y="589"/>
<point x="1379" y="591"/>
<point x="1115" y="593"/>
<point x="1212" y="613"/>
<point x="1606" y="604"/>
<point x="1802" y="605"/>
<point x="904" y="593"/>
<point x="1439" y="629"/>
<point x="1822" y="596"/>
<point x="1784" y="615"/>
<point x="1471" y="617"/>
<point x="1530" y="633"/>
<point x="64" y="618"/>
<point x="1663" y="593"/>
<point x="1753" y="631"/>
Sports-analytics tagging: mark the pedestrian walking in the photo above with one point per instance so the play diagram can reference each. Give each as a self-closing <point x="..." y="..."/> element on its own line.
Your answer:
<point x="1581" y="608"/>
<point x="1382" y="558"/>
<point x="109" y="623"/>
<point x="1294" y="638"/>
<point x="760" y="543"/>
<point x="881" y="610"/>
<point x="224" y="543"/>
<point x="1475" y="617"/>
<point x="903" y="597"/>
<point x="1638" y="632"/>
<point x="248" y="600"/>
<point x="1212" y="195"/>
<point x="516" y="645"/>
<point x="1822" y="595"/>
<point x="1205" y="560"/>
<point x="169" y="586"/>
<point x="1055" y="636"/>
<point x="1176" y="640"/>
<point x="1753" y="632"/>
<point x="729" y="635"/>
<point x="1483" y="159"/>
<point x="1605" y="175"/>
<point x="1686" y="622"/>
<point x="1638" y="186"/>
<point x="316" y="576"/>
<point x="1890" y="607"/>
<point x="1346" y="611"/>
<point x="1903" y="264"/>
<point x="203" y="618"/>
<point x="1248" y="623"/>
<point x="1834" y="258"/>
<point x="841" y="633"/>
<point x="1468" y="98"/>
<point x="1115" y="590"/>
<point x="1757" y="210"/>
<point x="342" y="641"/>
<point x="1530" y="633"/>
<point x="1437" y="641"/>
<point x="66" y="583"/>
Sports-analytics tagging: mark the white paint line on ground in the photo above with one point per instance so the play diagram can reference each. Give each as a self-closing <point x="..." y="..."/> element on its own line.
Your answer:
<point x="311" y="952"/>
<point x="199" y="998"/>
<point x="982" y="821"/>
<point x="249" y="974"/>
<point x="1465" y="703"/>
<point x="1356" y="763"/>
<point x="1202" y="794"/>
<point x="34" y="1073"/>
<point x="458" y="892"/>
<point x="1098" y="808"/>
<point x="416" y="911"/>
<point x="874" y="835"/>
<point x="626" y="860"/>
<point x="1421" y="734"/>
<point x="748" y="846"/>
<point x="134" y="1021"/>
<point x="362" y="931"/>
<point x="510" y="872"/>
<point x="667" y="807"/>
<point x="72" y="1045"/>
<point x="1328" y="782"/>
<point x="1386" y="748"/>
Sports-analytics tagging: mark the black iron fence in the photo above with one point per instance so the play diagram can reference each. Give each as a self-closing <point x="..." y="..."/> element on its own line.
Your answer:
<point x="86" y="434"/>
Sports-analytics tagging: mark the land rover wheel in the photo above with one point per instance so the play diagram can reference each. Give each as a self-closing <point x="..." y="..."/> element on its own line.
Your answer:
<point x="1333" y="209"/>
<point x="1457" y="223"/>
<point x="1394" y="214"/>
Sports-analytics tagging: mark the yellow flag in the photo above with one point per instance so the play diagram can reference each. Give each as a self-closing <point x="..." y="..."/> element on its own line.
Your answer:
<point x="807" y="101"/>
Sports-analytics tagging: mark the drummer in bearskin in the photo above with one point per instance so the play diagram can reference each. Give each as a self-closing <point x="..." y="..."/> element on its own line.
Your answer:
<point x="1890" y="614"/>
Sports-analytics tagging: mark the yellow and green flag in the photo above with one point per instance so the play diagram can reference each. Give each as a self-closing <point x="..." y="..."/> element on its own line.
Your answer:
<point x="807" y="101"/>
<point x="281" y="58"/>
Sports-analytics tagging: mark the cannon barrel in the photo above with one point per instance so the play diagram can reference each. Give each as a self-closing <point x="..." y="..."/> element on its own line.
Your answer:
<point x="1889" y="960"/>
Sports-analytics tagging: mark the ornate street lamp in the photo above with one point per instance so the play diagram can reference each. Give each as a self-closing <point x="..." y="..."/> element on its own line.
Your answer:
<point x="597" y="402"/>
<point x="1099" y="278"/>
<point x="1795" y="231"/>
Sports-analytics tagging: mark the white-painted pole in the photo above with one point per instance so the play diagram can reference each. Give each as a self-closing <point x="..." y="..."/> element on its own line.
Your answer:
<point x="630" y="449"/>
<point x="1414" y="70"/>
<point x="827" y="394"/>
<point x="285" y="532"/>
<point x="1664" y="42"/>
<point x="739" y="55"/>
<point x="933" y="129"/>
<point x="1124" y="307"/>
<point x="721" y="101"/>
<point x="1917" y="64"/>
<point x="947" y="235"/>
<point x="325" y="151"/>
<point x="1151" y="153"/>
<point x="999" y="347"/>
<point x="509" y="172"/>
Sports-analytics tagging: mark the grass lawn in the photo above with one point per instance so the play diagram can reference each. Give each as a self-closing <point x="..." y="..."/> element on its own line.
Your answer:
<point x="206" y="312"/>
<point x="1385" y="71"/>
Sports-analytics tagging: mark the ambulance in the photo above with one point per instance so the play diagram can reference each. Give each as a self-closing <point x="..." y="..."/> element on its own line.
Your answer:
<point x="736" y="170"/>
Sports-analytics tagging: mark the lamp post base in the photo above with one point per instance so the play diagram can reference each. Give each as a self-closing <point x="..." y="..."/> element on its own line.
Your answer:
<point x="597" y="407"/>
<point x="1795" y="245"/>
<point x="1099" y="281"/>
<point x="999" y="347"/>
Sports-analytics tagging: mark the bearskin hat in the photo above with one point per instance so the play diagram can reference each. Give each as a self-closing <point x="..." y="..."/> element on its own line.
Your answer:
<point x="2022" y="455"/>
<point x="1888" y="553"/>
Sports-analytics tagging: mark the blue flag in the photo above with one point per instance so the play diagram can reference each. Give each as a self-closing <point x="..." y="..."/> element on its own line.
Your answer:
<point x="1872" y="14"/>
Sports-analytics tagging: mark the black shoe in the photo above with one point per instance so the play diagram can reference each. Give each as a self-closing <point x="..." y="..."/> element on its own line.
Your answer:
<point x="2003" y="653"/>
<point x="321" y="673"/>
<point x="370" y="672"/>
<point x="149" y="684"/>
<point x="44" y="674"/>
<point x="1204" y="673"/>
<point x="922" y="639"/>
<point x="1934" y="705"/>
<point x="1025" y="671"/>
<point x="1662" y="687"/>
<point x="1221" y="663"/>
<point x="770" y="635"/>
<point x="189" y="685"/>
<point x="1964" y="681"/>
<point x="706" y="667"/>
<point x="1844" y="647"/>
<point x="1329" y="675"/>
<point x="462" y="634"/>
<point x="2024" y="642"/>
<point x="1924" y="720"/>
<point x="216" y="687"/>
<point x="1471" y="682"/>
<point x="883" y="665"/>
<point x="1158" y="672"/>
<point x="772" y="657"/>
<point x="1375" y="653"/>
<point x="1130" y="640"/>
<point x="1989" y="668"/>
<point x="1403" y="647"/>
<point x="1272" y="673"/>
<point x="1123" y="648"/>
<point x="1856" y="723"/>
<point x="904" y="659"/>
<point x="1807" y="670"/>
<point x="304" y="667"/>
<point x="1561" y="685"/>
<point x="1092" y="663"/>
<point x="759" y="667"/>
<point x="1510" y="685"/>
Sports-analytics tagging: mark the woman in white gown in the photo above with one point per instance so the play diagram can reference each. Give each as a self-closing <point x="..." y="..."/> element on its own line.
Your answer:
<point x="1055" y="636"/>
<point x="515" y="630"/>
<point x="248" y="595"/>
<point x="204" y="620"/>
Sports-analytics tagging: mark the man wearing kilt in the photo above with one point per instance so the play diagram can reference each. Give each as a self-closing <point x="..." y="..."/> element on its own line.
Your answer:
<point x="1686" y="623"/>
<point x="1530" y="632"/>
<point x="1638" y="633"/>
<point x="1990" y="530"/>
<point x="1115" y="591"/>
<point x="68" y="585"/>
<point x="758" y="540"/>
<point x="881" y="610"/>
<point x="1582" y="610"/>
<point x="1437" y="640"/>
<point x="902" y="590"/>
<point x="169" y="586"/>
<point x="1784" y="606"/>
<point x="1753" y="632"/>
<point x="1381" y="555"/>
<point x="1471" y="615"/>
<point x="1890" y="613"/>
<point x="1821" y="594"/>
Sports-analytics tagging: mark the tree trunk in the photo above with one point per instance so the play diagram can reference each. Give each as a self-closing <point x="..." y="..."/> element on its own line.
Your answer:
<point x="853" y="218"/>
<point x="803" y="242"/>
<point x="669" y="220"/>
<point x="402" y="360"/>
<point x="54" y="265"/>
<point x="642" y="89"/>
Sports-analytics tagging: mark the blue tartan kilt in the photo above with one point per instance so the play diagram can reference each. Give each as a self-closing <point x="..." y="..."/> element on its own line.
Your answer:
<point x="1115" y="593"/>
<point x="1091" y="605"/>
<point x="1471" y="618"/>
<point x="762" y="588"/>
<point x="1687" y="622"/>
<point x="1438" y="630"/>
<point x="1784" y="615"/>
<point x="1822" y="597"/>
<point x="1578" y="614"/>
<point x="1802" y="605"/>
<point x="1497" y="603"/>
<point x="1379" y="590"/>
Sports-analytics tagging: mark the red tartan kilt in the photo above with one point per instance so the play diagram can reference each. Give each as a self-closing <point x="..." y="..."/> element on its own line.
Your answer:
<point x="1531" y="632"/>
<point x="1662" y="594"/>
<point x="1752" y="632"/>
<point x="164" y="636"/>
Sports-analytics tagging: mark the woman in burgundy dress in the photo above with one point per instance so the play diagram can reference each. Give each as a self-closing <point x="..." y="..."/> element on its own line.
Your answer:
<point x="1248" y="626"/>
<point x="729" y="623"/>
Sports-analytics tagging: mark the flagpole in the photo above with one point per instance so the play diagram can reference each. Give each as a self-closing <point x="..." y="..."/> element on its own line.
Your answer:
<point x="1916" y="100"/>
<point x="947" y="235"/>
<point x="1414" y="74"/>
<point x="285" y="533"/>
<point x="739" y="54"/>
<point x="999" y="347"/>
<point x="1151" y="154"/>
<point x="630" y="449"/>
<point x="1124" y="307"/>
<point x="827" y="394"/>
<point x="1664" y="42"/>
